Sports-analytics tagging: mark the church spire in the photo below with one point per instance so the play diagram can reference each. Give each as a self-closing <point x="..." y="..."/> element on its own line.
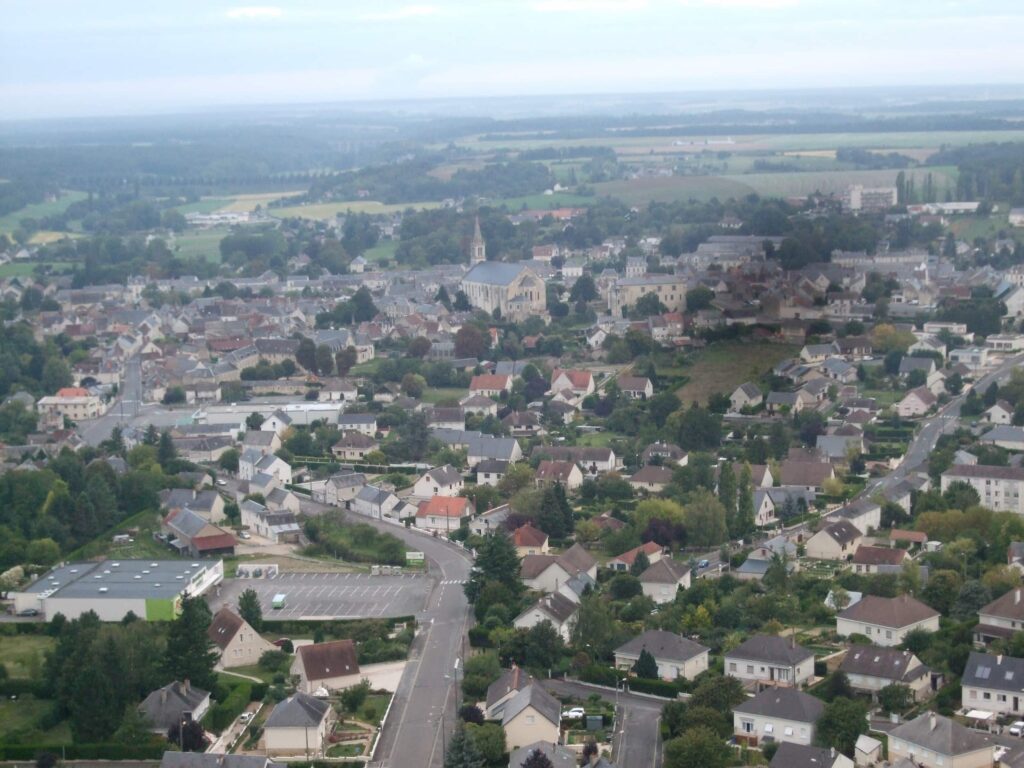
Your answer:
<point x="477" y="248"/>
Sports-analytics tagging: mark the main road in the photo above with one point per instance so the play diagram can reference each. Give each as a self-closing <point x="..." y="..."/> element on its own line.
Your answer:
<point x="122" y="409"/>
<point x="424" y="710"/>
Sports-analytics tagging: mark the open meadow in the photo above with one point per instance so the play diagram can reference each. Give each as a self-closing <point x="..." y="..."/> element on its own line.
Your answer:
<point x="12" y="221"/>
<point x="724" y="366"/>
<point x="327" y="211"/>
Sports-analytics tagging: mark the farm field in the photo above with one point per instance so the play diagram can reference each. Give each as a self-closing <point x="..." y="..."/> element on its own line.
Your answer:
<point x="203" y="243"/>
<point x="724" y="366"/>
<point x="243" y="203"/>
<point x="24" y="268"/>
<point x="804" y="183"/>
<point x="23" y="655"/>
<point x="673" y="188"/>
<point x="382" y="251"/>
<point x="542" y="202"/>
<point x="205" y="205"/>
<point x="326" y="211"/>
<point x="10" y="222"/>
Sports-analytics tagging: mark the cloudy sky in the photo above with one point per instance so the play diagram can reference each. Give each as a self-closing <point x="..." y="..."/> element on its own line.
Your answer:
<point x="69" y="57"/>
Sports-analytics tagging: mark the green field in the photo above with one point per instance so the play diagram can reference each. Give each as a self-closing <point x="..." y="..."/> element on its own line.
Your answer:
<point x="544" y="202"/>
<point x="437" y="394"/>
<point x="17" y="269"/>
<point x="11" y="221"/>
<point x="203" y="243"/>
<point x="327" y="211"/>
<point x="724" y="366"/>
<point x="206" y="205"/>
<point x="382" y="251"/>
<point x="674" y="188"/>
<point x="23" y="655"/>
<point x="25" y="714"/>
<point x="798" y="184"/>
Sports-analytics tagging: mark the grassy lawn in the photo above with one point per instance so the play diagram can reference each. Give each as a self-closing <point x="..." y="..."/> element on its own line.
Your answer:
<point x="376" y="704"/>
<point x="327" y="211"/>
<point x="885" y="397"/>
<point x="368" y="368"/>
<point x="144" y="546"/>
<point x="12" y="221"/>
<point x="204" y="243"/>
<point x="723" y="367"/>
<point x="437" y="394"/>
<point x="596" y="439"/>
<point x="382" y="251"/>
<point x="255" y="670"/>
<point x="25" y="713"/>
<point x="345" y="750"/>
<point x="204" y="205"/>
<point x="23" y="655"/>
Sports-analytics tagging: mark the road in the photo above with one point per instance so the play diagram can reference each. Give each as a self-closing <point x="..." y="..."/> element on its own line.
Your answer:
<point x="637" y="739"/>
<point x="122" y="408"/>
<point x="424" y="709"/>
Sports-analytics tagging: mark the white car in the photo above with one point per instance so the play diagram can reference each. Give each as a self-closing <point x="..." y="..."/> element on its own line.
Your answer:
<point x="245" y="717"/>
<point x="1017" y="728"/>
<point x="574" y="714"/>
<point x="244" y="535"/>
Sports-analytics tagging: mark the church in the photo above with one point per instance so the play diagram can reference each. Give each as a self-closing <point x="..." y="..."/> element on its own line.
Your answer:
<point x="515" y="290"/>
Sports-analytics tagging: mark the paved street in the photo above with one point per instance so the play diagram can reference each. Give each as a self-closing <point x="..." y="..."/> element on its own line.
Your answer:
<point x="123" y="408"/>
<point x="323" y="596"/>
<point x="637" y="741"/>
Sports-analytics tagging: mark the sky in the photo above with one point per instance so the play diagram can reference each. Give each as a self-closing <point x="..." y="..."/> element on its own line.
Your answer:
<point x="129" y="57"/>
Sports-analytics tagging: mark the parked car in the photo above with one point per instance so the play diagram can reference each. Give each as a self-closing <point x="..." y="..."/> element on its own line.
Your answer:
<point x="574" y="714"/>
<point x="703" y="564"/>
<point x="245" y="717"/>
<point x="245" y="535"/>
<point x="1017" y="728"/>
<point x="29" y="612"/>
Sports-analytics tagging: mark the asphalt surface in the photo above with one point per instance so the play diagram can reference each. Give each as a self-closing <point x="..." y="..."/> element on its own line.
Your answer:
<point x="637" y="739"/>
<point x="123" y="409"/>
<point x="324" y="596"/>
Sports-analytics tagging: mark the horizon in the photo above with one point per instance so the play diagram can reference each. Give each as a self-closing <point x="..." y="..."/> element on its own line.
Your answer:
<point x="64" y="60"/>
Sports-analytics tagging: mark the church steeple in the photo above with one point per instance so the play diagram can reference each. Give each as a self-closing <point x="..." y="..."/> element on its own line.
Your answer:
<point x="477" y="248"/>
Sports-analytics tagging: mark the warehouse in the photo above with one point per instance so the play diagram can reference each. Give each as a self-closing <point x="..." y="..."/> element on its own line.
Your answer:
<point x="150" y="589"/>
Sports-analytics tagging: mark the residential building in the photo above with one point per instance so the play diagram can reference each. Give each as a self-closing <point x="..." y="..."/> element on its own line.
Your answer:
<point x="836" y="541"/>
<point x="770" y="660"/>
<point x="651" y="550"/>
<point x="626" y="292"/>
<point x="917" y="402"/>
<point x="531" y="715"/>
<point x="491" y="471"/>
<point x="777" y="714"/>
<point x="746" y="395"/>
<point x="651" y="479"/>
<point x="636" y="387"/>
<point x="886" y="620"/>
<point x="870" y="669"/>
<point x="869" y="559"/>
<point x="439" y="481"/>
<point x="443" y="514"/>
<point x="529" y="540"/>
<point x="933" y="741"/>
<point x="1001" y="618"/>
<point x="72" y="403"/>
<point x="993" y="684"/>
<point x="490" y="384"/>
<point x="999" y="488"/>
<point x="299" y="726"/>
<point x="663" y="580"/>
<point x="790" y="755"/>
<point x="675" y="655"/>
<point x="502" y="690"/>
<point x="567" y="473"/>
<point x="556" y="609"/>
<point x="580" y="383"/>
<point x="237" y="643"/>
<point x="192" y="535"/>
<point x="364" y="423"/>
<point x="172" y="704"/>
<point x="329" y="666"/>
<point x="276" y="527"/>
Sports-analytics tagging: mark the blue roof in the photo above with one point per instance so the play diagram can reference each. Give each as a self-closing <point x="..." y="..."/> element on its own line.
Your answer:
<point x="494" y="272"/>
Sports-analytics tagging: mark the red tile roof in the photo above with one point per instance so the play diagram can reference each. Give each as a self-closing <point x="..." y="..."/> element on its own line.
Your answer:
<point x="444" y="506"/>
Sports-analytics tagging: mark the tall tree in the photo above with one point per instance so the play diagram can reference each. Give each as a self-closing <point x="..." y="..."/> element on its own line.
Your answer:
<point x="496" y="561"/>
<point x="646" y="666"/>
<point x="189" y="653"/>
<point x="305" y="354"/>
<point x="745" y="503"/>
<point x="324" y="360"/>
<point x="250" y="610"/>
<point x="727" y="495"/>
<point x="841" y="723"/>
<point x="462" y="751"/>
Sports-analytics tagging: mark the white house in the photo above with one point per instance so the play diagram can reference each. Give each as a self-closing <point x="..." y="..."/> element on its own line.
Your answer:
<point x="662" y="580"/>
<point x="675" y="655"/>
<point x="439" y="481"/>
<point x="770" y="660"/>
<point x="886" y="621"/>
<point x="777" y="714"/>
<point x="556" y="609"/>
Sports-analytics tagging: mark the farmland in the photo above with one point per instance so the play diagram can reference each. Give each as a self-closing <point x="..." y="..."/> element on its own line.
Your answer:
<point x="723" y="367"/>
<point x="672" y="188"/>
<point x="327" y="211"/>
<point x="204" y="243"/>
<point x="12" y="221"/>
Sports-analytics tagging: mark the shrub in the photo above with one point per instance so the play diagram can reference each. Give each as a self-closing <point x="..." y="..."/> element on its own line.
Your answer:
<point x="656" y="687"/>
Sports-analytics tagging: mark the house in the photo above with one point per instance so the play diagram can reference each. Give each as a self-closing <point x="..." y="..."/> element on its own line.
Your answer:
<point x="173" y="703"/>
<point x="280" y="500"/>
<point x="651" y="479"/>
<point x="665" y="454"/>
<point x="194" y="536"/>
<point x="933" y="741"/>
<point x="532" y="714"/>
<point x="491" y="471"/>
<point x="490" y="384"/>
<point x="790" y="755"/>
<point x="675" y="655"/>
<point x="276" y="527"/>
<point x="836" y="541"/>
<point x="439" y="481"/>
<point x="524" y="424"/>
<point x="746" y="395"/>
<point x="479" y="405"/>
<point x="917" y="402"/>
<point x="363" y="423"/>
<point x="177" y="759"/>
<point x="592" y="460"/>
<point x="863" y="513"/>
<point x="764" y="508"/>
<point x="237" y="643"/>
<point x="331" y="666"/>
<point x="870" y="669"/>
<point x="567" y="473"/>
<point x="662" y="580"/>
<point x="869" y="559"/>
<point x="777" y="714"/>
<point x="339" y="489"/>
<point x="443" y="514"/>
<point x="770" y="660"/>
<point x="556" y="609"/>
<point x="549" y="573"/>
<point x="1000" y="413"/>
<point x="353" y="446"/>
<point x="651" y="550"/>
<point x="490" y="521"/>
<point x="1008" y="437"/>
<point x="557" y="755"/>
<point x="502" y="690"/>
<point x="299" y="725"/>
<point x="207" y="504"/>
<point x="72" y="403"/>
<point x="636" y="387"/>
<point x="1001" y="618"/>
<point x="886" y="621"/>
<point x="252" y="463"/>
<point x="999" y="488"/>
<point x="580" y="383"/>
<point x="994" y="684"/>
<point x="530" y="541"/>
<point x="809" y="475"/>
<point x="378" y="503"/>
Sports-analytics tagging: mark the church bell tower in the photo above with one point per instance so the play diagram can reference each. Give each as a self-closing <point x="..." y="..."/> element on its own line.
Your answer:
<point x="477" y="248"/>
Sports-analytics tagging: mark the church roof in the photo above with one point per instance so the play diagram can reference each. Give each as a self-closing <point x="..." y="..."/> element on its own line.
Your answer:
<point x="494" y="273"/>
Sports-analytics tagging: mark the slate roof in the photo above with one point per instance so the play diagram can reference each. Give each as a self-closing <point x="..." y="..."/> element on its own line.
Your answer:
<point x="514" y="679"/>
<point x="985" y="471"/>
<point x="557" y="606"/>
<point x="493" y="273"/>
<point x="784" y="703"/>
<point x="790" y="755"/>
<point x="665" y="646"/>
<point x="842" y="532"/>
<point x="894" y="612"/>
<point x="939" y="734"/>
<point x="885" y="663"/>
<point x="163" y="707"/>
<point x="323" y="661"/>
<point x="665" y="571"/>
<point x="1003" y="673"/>
<point x="770" y="648"/>
<point x="446" y="475"/>
<point x="532" y="695"/>
<point x="300" y="710"/>
<point x="1008" y="606"/>
<point x="224" y="627"/>
<point x="576" y="559"/>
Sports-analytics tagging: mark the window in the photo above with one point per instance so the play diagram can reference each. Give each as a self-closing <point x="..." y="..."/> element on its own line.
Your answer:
<point x="973" y="694"/>
<point x="769" y="728"/>
<point x="788" y="731"/>
<point x="750" y="669"/>
<point x="748" y="726"/>
<point x="986" y="696"/>
<point x="530" y="719"/>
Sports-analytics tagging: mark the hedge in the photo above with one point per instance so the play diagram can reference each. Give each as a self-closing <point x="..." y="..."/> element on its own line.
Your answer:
<point x="18" y="686"/>
<point x="599" y="675"/>
<point x="222" y="715"/>
<point x="259" y="692"/>
<point x="29" y="752"/>
<point x="656" y="687"/>
<point x="479" y="637"/>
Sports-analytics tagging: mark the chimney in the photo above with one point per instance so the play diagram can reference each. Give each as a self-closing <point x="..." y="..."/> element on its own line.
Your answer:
<point x="832" y="753"/>
<point x="163" y="695"/>
<point x="1016" y="596"/>
<point x="932" y="722"/>
<point x="185" y="686"/>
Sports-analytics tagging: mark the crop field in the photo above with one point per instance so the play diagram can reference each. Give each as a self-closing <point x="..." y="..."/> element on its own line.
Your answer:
<point x="382" y="251"/>
<point x="542" y="202"/>
<point x="724" y="366"/>
<point x="11" y="221"/>
<point x="327" y="211"/>
<point x="674" y="188"/>
<point x="202" y="242"/>
<point x="243" y="203"/>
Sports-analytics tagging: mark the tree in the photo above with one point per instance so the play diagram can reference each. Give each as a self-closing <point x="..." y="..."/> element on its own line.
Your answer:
<point x="496" y="561"/>
<point x="841" y="723"/>
<point x="345" y="359"/>
<point x="583" y="289"/>
<point x="324" y="359"/>
<point x="745" y="522"/>
<point x="543" y="646"/>
<point x="254" y="421"/>
<point x="305" y="354"/>
<point x="228" y="460"/>
<point x="895" y="697"/>
<point x="837" y="685"/>
<point x="189" y="653"/>
<point x="470" y="341"/>
<point x="353" y="697"/>
<point x="705" y="519"/>
<point x="462" y="751"/>
<point x="489" y="739"/>
<point x="594" y="628"/>
<point x="166" y="452"/>
<point x="727" y="496"/>
<point x="461" y="303"/>
<point x="249" y="608"/>
<point x="189" y="735"/>
<point x="173" y="396"/>
<point x="647" y="305"/>
<point x="698" y="747"/>
<point x="699" y="298"/>
<point x="420" y="346"/>
<point x="536" y="759"/>
<point x="640" y="563"/>
<point x="646" y="667"/>
<point x="471" y="713"/>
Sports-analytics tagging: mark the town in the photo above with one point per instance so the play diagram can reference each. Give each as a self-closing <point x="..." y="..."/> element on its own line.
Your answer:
<point x="515" y="443"/>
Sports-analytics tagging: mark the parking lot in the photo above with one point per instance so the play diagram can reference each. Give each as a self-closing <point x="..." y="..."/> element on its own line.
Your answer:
<point x="324" y="596"/>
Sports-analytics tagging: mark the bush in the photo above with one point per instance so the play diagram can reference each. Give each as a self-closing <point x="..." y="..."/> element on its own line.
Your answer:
<point x="259" y="692"/>
<point x="600" y="675"/>
<point x="222" y="715"/>
<point x="479" y="637"/>
<point x="656" y="687"/>
<point x="29" y="752"/>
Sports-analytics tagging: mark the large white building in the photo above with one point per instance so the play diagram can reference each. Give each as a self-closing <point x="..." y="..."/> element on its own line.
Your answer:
<point x="999" y="488"/>
<point x="515" y="290"/>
